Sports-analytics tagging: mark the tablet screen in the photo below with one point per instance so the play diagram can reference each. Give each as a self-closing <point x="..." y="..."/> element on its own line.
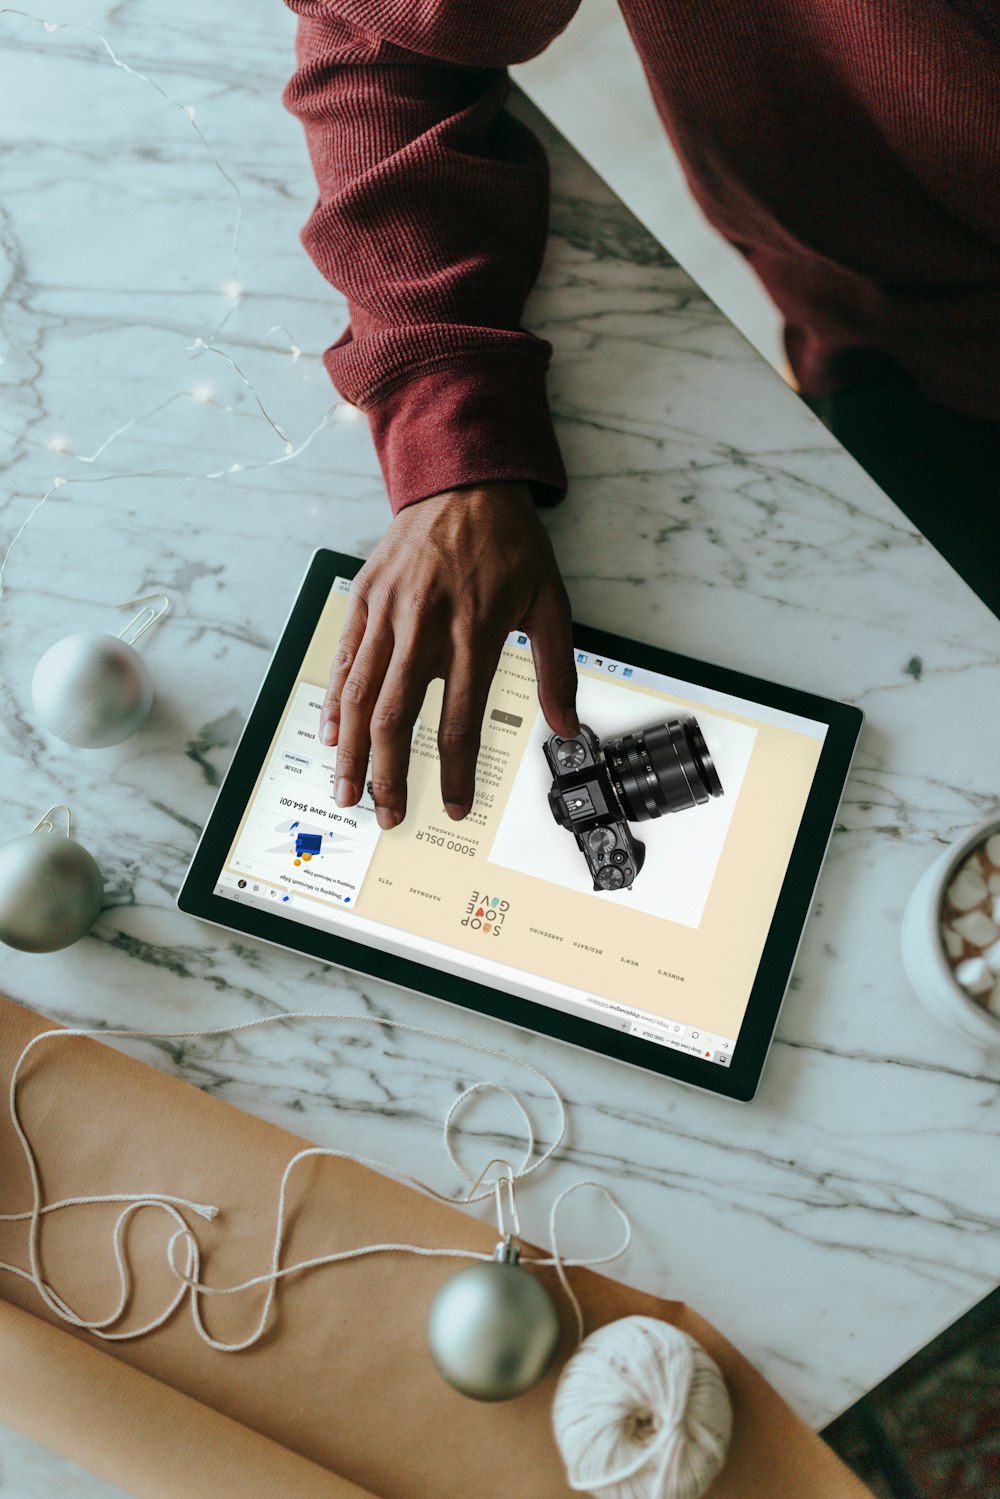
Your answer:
<point x="628" y="877"/>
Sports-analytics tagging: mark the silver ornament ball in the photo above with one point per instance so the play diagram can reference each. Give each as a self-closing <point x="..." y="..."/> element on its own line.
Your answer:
<point x="50" y="892"/>
<point x="92" y="690"/>
<point x="493" y="1329"/>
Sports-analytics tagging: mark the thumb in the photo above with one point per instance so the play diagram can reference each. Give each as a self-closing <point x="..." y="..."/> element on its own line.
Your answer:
<point x="549" y="625"/>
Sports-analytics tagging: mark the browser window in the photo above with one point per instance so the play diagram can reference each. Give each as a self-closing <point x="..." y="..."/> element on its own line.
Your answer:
<point x="629" y="875"/>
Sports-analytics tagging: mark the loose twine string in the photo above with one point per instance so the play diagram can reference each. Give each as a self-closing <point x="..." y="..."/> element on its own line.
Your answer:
<point x="188" y="1275"/>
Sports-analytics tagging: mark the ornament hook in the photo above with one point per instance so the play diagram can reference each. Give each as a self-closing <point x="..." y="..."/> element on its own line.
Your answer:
<point x="506" y="1169"/>
<point x="148" y="615"/>
<point x="508" y="1222"/>
<point x="46" y="825"/>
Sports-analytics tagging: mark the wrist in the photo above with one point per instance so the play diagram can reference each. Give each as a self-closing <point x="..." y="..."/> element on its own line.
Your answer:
<point x="467" y="502"/>
<point x="500" y="491"/>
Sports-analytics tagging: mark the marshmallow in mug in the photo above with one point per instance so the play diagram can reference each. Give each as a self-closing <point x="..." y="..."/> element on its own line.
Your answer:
<point x="970" y="925"/>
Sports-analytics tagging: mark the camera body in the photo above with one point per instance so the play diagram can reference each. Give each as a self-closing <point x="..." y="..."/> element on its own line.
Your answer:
<point x="583" y="799"/>
<point x="597" y="790"/>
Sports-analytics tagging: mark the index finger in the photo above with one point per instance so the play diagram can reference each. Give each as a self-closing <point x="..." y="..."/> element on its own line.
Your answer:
<point x="549" y="623"/>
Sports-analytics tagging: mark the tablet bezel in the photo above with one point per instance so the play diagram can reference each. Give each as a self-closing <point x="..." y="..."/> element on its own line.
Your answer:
<point x="738" y="1081"/>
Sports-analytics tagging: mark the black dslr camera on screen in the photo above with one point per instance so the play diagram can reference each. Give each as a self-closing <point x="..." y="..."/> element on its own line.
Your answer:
<point x="597" y="791"/>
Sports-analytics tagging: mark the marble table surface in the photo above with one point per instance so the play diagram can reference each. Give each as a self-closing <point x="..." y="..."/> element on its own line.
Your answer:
<point x="844" y="1218"/>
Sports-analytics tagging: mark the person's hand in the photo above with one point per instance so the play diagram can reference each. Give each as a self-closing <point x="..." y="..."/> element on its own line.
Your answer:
<point x="451" y="577"/>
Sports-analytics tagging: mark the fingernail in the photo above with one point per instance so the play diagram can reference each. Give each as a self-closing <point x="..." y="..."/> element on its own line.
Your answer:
<point x="456" y="810"/>
<point x="346" y="795"/>
<point x="387" y="817"/>
<point x="328" y="733"/>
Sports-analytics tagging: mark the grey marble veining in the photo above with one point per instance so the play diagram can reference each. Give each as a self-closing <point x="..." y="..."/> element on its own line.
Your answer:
<point x="847" y="1215"/>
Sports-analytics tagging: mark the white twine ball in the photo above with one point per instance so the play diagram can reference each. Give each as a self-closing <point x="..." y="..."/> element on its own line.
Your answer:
<point x="642" y="1412"/>
<point x="92" y="690"/>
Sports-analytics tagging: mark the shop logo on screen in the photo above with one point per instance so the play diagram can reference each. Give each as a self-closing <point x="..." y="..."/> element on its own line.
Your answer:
<point x="485" y="913"/>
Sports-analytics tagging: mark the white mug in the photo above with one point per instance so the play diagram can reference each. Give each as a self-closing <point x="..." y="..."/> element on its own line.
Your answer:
<point x="924" y="957"/>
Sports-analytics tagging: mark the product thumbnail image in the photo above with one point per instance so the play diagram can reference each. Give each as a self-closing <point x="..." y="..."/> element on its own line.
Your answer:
<point x="598" y="789"/>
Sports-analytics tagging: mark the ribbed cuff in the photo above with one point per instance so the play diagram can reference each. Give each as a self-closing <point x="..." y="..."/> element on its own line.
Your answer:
<point x="468" y="424"/>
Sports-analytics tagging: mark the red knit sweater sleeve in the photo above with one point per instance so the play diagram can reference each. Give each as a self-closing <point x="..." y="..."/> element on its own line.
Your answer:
<point x="431" y="219"/>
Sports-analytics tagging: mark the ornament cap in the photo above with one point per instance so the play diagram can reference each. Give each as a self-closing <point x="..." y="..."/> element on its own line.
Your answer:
<point x="507" y="1252"/>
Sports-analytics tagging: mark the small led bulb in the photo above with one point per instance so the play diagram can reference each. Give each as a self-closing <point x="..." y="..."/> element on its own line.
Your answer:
<point x="58" y="444"/>
<point x="233" y="290"/>
<point x="203" y="393"/>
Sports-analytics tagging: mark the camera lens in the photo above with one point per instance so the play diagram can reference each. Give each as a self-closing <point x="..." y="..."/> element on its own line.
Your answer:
<point x="702" y="757"/>
<point x="663" y="769"/>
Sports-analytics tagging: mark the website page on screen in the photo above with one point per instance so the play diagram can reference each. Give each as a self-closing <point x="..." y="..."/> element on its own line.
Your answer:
<point x="628" y="876"/>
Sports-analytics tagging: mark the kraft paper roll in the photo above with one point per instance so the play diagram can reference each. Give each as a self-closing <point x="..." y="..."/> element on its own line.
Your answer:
<point x="343" y="1377"/>
<point x="143" y="1436"/>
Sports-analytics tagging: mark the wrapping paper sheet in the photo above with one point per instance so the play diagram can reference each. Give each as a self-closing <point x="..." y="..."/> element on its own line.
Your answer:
<point x="342" y="1378"/>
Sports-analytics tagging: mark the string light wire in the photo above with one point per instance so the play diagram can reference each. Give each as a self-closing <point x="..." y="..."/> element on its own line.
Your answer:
<point x="169" y="473"/>
<point x="186" y="109"/>
<point x="200" y="345"/>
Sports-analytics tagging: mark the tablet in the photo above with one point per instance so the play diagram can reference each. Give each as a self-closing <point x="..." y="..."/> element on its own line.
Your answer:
<point x="639" y="891"/>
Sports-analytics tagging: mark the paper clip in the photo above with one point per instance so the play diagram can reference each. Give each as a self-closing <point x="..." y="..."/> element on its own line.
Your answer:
<point x="147" y="616"/>
<point x="508" y="1222"/>
<point x="46" y="825"/>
